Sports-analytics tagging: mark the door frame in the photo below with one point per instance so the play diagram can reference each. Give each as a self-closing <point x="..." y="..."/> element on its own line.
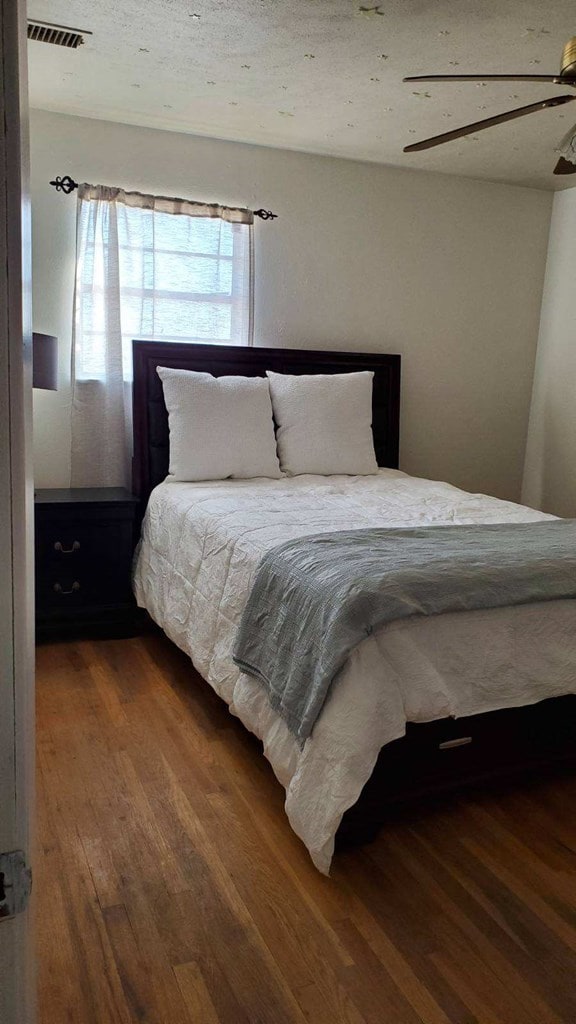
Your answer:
<point x="17" y="989"/>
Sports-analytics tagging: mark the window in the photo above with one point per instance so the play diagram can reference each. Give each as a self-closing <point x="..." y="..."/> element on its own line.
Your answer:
<point x="146" y="267"/>
<point x="158" y="270"/>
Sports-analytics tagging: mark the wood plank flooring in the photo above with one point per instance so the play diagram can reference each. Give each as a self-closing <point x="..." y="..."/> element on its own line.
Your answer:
<point x="170" y="889"/>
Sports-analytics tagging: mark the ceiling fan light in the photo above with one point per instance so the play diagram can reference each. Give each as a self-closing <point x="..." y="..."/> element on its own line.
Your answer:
<point x="567" y="146"/>
<point x="568" y="65"/>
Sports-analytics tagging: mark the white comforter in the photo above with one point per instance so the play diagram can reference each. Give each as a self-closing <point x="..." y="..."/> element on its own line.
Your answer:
<point x="201" y="545"/>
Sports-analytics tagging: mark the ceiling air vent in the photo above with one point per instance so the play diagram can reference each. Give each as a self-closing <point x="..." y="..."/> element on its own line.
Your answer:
<point x="58" y="35"/>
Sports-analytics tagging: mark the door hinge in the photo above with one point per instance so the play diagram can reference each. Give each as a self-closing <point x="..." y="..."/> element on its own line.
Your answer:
<point x="15" y="884"/>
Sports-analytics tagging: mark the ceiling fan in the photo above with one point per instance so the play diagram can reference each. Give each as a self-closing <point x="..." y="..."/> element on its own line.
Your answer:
<point x="567" y="76"/>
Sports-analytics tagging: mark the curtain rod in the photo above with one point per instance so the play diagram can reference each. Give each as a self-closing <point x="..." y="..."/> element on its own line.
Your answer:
<point x="67" y="185"/>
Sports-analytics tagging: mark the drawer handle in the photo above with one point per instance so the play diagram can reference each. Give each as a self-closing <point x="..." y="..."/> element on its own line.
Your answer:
<point x="462" y="741"/>
<point x="75" y="586"/>
<point x="67" y="551"/>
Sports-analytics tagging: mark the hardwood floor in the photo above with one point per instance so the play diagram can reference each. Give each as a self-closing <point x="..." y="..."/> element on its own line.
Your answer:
<point x="170" y="889"/>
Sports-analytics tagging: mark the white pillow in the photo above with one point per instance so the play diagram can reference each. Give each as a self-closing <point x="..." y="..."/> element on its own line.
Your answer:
<point x="324" y="422"/>
<point x="220" y="427"/>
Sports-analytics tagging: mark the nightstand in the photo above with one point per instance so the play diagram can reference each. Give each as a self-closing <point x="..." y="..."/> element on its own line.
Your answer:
<point x="85" y="540"/>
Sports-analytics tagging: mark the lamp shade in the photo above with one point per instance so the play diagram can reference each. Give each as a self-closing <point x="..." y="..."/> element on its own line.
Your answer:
<point x="45" y="362"/>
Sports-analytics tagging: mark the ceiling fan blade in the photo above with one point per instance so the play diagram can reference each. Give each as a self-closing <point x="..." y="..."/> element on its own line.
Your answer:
<point x="564" y="167"/>
<point x="558" y="79"/>
<point x="488" y="122"/>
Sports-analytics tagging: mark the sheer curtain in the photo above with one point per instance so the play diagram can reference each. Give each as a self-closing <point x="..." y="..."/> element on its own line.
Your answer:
<point x="146" y="267"/>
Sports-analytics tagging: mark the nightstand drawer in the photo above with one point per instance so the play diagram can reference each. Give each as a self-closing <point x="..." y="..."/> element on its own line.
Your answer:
<point x="69" y="588"/>
<point x="68" y="545"/>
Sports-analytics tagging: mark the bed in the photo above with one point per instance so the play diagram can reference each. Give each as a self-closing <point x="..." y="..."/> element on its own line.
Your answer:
<point x="424" y="705"/>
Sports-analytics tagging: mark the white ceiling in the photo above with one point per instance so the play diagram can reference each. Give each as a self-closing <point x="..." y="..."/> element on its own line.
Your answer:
<point x="322" y="76"/>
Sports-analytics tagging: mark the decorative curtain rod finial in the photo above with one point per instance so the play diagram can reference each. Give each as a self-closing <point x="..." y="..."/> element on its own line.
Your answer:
<point x="266" y="214"/>
<point x="65" y="184"/>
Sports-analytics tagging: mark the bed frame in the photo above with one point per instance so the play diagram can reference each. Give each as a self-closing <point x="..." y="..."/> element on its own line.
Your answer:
<point x="432" y="758"/>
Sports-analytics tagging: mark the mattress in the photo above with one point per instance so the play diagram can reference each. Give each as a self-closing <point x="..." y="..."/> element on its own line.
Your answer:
<point x="201" y="545"/>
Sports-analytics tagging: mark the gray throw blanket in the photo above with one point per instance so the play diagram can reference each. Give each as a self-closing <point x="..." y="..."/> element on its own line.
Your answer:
<point x="316" y="598"/>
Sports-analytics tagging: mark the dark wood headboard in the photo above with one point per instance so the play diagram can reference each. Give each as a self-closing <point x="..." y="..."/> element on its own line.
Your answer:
<point x="150" y="463"/>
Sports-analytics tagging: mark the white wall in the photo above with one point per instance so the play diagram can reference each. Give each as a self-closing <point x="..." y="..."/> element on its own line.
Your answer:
<point x="550" y="473"/>
<point x="446" y="271"/>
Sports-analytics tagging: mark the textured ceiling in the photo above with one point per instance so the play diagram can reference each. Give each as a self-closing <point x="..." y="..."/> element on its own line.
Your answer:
<point x="324" y="76"/>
